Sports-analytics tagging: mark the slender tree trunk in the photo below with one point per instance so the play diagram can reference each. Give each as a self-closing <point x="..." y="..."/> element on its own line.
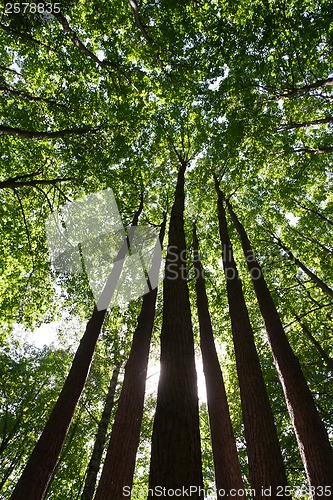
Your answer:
<point x="38" y="472"/>
<point x="265" y="460"/>
<point x="125" y="435"/>
<point x="314" y="445"/>
<point x="96" y="456"/>
<point x="325" y="288"/>
<point x="176" y="454"/>
<point x="227" y="468"/>
<point x="325" y="357"/>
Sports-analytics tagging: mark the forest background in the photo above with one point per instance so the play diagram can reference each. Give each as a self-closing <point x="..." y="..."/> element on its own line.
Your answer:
<point x="120" y="95"/>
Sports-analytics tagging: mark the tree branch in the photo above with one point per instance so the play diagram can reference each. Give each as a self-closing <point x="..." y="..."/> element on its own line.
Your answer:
<point x="26" y="228"/>
<point x="29" y="97"/>
<point x="12" y="184"/>
<point x="138" y="21"/>
<point x="28" y="38"/>
<point x="4" y="68"/>
<point x="318" y="151"/>
<point x="42" y="135"/>
<point x="81" y="46"/>
<point x="306" y="88"/>
<point x="319" y="121"/>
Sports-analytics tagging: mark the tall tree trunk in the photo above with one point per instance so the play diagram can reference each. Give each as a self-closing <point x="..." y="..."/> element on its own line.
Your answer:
<point x="125" y="435"/>
<point x="264" y="455"/>
<point x="227" y="469"/>
<point x="65" y="449"/>
<point x="38" y="472"/>
<point x="96" y="456"/>
<point x="314" y="445"/>
<point x="325" y="288"/>
<point x="176" y="454"/>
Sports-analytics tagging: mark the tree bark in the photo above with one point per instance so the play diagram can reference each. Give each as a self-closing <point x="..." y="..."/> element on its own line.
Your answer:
<point x="227" y="468"/>
<point x="313" y="441"/>
<point x="264" y="455"/>
<point x="138" y="21"/>
<point x="96" y="456"/>
<point x="176" y="454"/>
<point x="38" y="472"/>
<point x="125" y="435"/>
<point x="325" y="288"/>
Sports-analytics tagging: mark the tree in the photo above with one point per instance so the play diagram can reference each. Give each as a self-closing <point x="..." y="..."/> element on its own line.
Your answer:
<point x="176" y="453"/>
<point x="228" y="475"/>
<point x="96" y="456"/>
<point x="38" y="472"/>
<point x="314" y="445"/>
<point x="125" y="433"/>
<point x="265" y="458"/>
<point x="98" y="93"/>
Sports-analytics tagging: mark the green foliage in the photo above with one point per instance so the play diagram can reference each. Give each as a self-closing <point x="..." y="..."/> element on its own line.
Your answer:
<point x="220" y="83"/>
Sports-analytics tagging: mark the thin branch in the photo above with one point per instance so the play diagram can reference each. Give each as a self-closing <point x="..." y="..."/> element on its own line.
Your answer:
<point x="82" y="47"/>
<point x="46" y="197"/>
<point x="4" y="68"/>
<point x="29" y="97"/>
<point x="294" y="92"/>
<point x="138" y="21"/>
<point x="310" y="123"/>
<point x="26" y="228"/>
<point x="17" y="132"/>
<point x="313" y="212"/>
<point x="62" y="193"/>
<point x="28" y="38"/>
<point x="307" y="313"/>
<point x="318" y="151"/>
<point x="17" y="184"/>
<point x="316" y="242"/>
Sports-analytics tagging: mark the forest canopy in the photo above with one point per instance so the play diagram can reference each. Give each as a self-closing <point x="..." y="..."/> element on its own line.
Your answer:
<point x="211" y="122"/>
